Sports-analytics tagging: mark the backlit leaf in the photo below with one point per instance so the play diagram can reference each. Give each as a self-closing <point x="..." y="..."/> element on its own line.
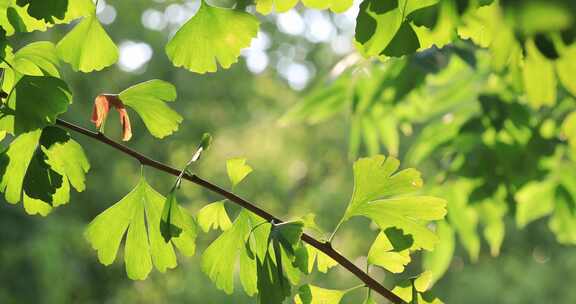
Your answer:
<point x="35" y="103"/>
<point x="38" y="168"/>
<point x="438" y="261"/>
<point x="88" y="47"/>
<point x="137" y="215"/>
<point x="237" y="170"/>
<point x="213" y="216"/>
<point x="539" y="78"/>
<point x="309" y="294"/>
<point x="149" y="99"/>
<point x="221" y="257"/>
<point x="391" y="250"/>
<point x="212" y="35"/>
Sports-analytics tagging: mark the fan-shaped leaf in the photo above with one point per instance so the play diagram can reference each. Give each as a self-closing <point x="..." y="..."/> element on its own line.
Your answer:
<point x="214" y="216"/>
<point x="149" y="99"/>
<point x="88" y="47"/>
<point x="139" y="213"/>
<point x="212" y="35"/>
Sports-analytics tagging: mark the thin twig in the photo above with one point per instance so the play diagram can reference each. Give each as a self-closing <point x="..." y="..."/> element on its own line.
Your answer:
<point x="324" y="247"/>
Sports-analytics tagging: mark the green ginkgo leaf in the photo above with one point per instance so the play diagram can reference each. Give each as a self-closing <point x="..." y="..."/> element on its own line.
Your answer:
<point x="309" y="294"/>
<point x="88" y="47"/>
<point x="237" y="170"/>
<point x="35" y="102"/>
<point x="137" y="216"/>
<point x="149" y="99"/>
<point x="169" y="227"/>
<point x="418" y="286"/>
<point x="221" y="257"/>
<point x="35" y="59"/>
<point x="214" y="216"/>
<point x="323" y="261"/>
<point x="374" y="179"/>
<point x="383" y="28"/>
<point x="391" y="250"/>
<point x="38" y="168"/>
<point x="212" y="35"/>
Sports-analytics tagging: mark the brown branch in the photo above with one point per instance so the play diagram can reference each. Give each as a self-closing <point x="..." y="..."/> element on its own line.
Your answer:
<point x="325" y="247"/>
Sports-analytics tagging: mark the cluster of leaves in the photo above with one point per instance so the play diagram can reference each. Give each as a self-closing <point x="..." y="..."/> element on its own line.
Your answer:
<point x="489" y="109"/>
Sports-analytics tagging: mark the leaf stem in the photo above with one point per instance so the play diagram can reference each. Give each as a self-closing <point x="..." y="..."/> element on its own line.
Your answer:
<point x="324" y="247"/>
<point x="335" y="230"/>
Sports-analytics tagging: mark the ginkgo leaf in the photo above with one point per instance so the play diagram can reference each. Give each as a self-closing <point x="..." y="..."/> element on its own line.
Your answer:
<point x="374" y="179"/>
<point x="35" y="102"/>
<point x="149" y="99"/>
<point x="169" y="227"/>
<point x="310" y="294"/>
<point x="273" y="286"/>
<point x="409" y="214"/>
<point x="323" y="261"/>
<point x="214" y="216"/>
<point x="221" y="257"/>
<point x="237" y="170"/>
<point x="391" y="250"/>
<point x="417" y="286"/>
<point x="38" y="168"/>
<point x="88" y="47"/>
<point x="383" y="28"/>
<point x="137" y="215"/>
<point x="212" y="35"/>
<point x="35" y="59"/>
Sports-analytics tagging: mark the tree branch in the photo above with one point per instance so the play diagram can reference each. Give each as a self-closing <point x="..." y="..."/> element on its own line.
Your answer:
<point x="325" y="247"/>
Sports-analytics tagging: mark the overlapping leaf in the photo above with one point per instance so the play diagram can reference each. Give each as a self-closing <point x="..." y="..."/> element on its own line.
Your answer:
<point x="214" y="35"/>
<point x="221" y="257"/>
<point x="137" y="216"/>
<point x="35" y="102"/>
<point x="408" y="289"/>
<point x="391" y="250"/>
<point x="38" y="168"/>
<point x="35" y="59"/>
<point x="32" y="15"/>
<point x="309" y="294"/>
